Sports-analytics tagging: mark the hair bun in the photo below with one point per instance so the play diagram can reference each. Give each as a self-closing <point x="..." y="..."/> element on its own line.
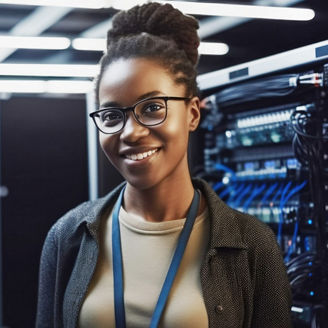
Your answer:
<point x="160" y="20"/>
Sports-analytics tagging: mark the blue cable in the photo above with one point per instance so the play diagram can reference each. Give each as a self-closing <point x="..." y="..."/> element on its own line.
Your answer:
<point x="236" y="190"/>
<point x="256" y="191"/>
<point x="267" y="194"/>
<point x="275" y="196"/>
<point x="222" y="167"/>
<point x="218" y="185"/>
<point x="284" y="202"/>
<point x="294" y="191"/>
<point x="277" y="193"/>
<point x="291" y="247"/>
<point x="269" y="191"/>
<point x="285" y="190"/>
<point x="226" y="191"/>
<point x="242" y="194"/>
<point x="281" y="214"/>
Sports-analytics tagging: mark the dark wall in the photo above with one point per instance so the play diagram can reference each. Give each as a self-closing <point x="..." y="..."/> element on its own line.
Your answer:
<point x="44" y="166"/>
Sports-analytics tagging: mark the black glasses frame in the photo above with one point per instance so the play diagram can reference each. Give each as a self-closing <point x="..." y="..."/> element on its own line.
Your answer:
<point x="125" y="110"/>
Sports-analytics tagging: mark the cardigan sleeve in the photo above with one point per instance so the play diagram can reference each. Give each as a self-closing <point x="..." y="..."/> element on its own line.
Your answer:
<point x="47" y="280"/>
<point x="272" y="297"/>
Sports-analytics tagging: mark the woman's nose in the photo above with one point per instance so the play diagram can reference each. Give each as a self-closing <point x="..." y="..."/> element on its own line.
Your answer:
<point x="133" y="130"/>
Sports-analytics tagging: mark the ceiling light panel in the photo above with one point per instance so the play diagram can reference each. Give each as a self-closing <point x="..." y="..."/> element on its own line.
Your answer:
<point x="45" y="86"/>
<point x="213" y="48"/>
<point x="88" y="4"/>
<point x="12" y="86"/>
<point x="188" y="7"/>
<point x="205" y="48"/>
<point x="90" y="44"/>
<point x="250" y="11"/>
<point x="24" y="42"/>
<point x="55" y="70"/>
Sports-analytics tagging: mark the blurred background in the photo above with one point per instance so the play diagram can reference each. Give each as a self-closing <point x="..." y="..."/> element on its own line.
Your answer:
<point x="50" y="160"/>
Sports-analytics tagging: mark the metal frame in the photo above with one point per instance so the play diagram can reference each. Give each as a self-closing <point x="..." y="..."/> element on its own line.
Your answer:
<point x="92" y="148"/>
<point x="299" y="56"/>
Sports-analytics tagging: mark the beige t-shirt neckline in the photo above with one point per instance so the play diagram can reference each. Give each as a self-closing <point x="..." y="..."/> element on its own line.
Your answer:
<point x="147" y="250"/>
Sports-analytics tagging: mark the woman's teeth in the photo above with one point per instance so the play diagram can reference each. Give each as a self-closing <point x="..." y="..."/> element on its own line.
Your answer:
<point x="140" y="156"/>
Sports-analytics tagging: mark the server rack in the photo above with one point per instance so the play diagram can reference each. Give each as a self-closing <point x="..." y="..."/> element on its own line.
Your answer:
<point x="265" y="153"/>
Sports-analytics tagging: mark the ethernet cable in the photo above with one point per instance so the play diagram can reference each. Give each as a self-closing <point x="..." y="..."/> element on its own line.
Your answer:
<point x="256" y="191"/>
<point x="227" y="191"/>
<point x="295" y="190"/>
<point x="281" y="213"/>
<point x="222" y="167"/>
<point x="218" y="186"/>
<point x="269" y="191"/>
<point x="243" y="193"/>
<point x="235" y="192"/>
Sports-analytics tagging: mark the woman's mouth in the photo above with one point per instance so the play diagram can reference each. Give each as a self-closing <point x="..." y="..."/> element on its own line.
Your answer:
<point x="141" y="156"/>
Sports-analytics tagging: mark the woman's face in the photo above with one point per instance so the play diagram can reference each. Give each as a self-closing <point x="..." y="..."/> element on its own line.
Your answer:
<point x="164" y="146"/>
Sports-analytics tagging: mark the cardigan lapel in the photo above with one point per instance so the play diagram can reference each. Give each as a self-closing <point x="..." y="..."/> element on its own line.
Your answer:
<point x="223" y="222"/>
<point x="224" y="225"/>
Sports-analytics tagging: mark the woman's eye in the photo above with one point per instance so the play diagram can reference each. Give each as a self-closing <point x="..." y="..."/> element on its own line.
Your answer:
<point x="111" y="118"/>
<point x="153" y="107"/>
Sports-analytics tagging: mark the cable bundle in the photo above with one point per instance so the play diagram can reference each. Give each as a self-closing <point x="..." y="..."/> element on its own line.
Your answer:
<point x="277" y="86"/>
<point x="308" y="143"/>
<point x="300" y="269"/>
<point x="306" y="136"/>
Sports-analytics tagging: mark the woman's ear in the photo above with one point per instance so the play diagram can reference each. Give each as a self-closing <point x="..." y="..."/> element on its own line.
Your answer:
<point x="194" y="113"/>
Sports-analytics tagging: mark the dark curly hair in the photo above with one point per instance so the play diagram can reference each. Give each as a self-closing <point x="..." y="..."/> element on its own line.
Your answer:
<point x="158" y="32"/>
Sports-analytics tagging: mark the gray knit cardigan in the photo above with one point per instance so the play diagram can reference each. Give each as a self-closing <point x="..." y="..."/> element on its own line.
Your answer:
<point x="243" y="276"/>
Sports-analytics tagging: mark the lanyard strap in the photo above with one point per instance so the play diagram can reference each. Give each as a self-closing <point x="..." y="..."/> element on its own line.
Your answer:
<point x="118" y="263"/>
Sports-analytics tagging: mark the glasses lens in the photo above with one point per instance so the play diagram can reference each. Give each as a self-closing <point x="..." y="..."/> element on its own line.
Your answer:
<point x="151" y="111"/>
<point x="109" y="121"/>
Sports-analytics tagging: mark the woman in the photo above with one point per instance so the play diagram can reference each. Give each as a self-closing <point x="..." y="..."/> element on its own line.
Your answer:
<point x="105" y="263"/>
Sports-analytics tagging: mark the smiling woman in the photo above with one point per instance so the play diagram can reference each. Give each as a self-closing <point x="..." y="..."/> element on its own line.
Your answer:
<point x="165" y="135"/>
<point x="162" y="249"/>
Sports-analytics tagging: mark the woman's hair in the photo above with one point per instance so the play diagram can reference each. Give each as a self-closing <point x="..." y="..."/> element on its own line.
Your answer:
<point x="157" y="32"/>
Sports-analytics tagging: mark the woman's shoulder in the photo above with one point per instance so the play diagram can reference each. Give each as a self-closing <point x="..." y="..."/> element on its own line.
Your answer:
<point x="233" y="227"/>
<point x="253" y="229"/>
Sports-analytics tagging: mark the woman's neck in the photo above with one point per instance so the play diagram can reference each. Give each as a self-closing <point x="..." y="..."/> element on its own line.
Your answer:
<point x="168" y="200"/>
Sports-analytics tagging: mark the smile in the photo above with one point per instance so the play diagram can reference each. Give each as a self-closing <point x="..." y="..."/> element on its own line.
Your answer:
<point x="140" y="156"/>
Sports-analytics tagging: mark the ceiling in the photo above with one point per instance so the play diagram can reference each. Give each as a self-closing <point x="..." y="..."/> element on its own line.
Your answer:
<point x="248" y="39"/>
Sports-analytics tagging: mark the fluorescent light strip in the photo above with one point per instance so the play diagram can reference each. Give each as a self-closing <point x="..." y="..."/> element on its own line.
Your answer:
<point x="11" y="86"/>
<point x="88" y="4"/>
<point x="193" y="8"/>
<point x="45" y="86"/>
<point x="205" y="48"/>
<point x="127" y="4"/>
<point x="57" y="70"/>
<point x="89" y="44"/>
<point x="213" y="48"/>
<point x="232" y="10"/>
<point x="69" y="86"/>
<point x="36" y="42"/>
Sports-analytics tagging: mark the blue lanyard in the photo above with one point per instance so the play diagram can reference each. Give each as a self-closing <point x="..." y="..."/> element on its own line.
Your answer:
<point x="118" y="263"/>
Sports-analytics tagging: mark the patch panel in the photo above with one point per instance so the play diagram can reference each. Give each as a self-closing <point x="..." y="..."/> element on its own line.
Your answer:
<point x="270" y="127"/>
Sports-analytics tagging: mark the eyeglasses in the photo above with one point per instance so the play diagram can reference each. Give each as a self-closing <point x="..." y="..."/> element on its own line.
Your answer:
<point x="147" y="112"/>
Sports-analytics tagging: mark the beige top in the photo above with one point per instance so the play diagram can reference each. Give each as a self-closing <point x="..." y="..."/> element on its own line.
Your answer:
<point x="147" y="250"/>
